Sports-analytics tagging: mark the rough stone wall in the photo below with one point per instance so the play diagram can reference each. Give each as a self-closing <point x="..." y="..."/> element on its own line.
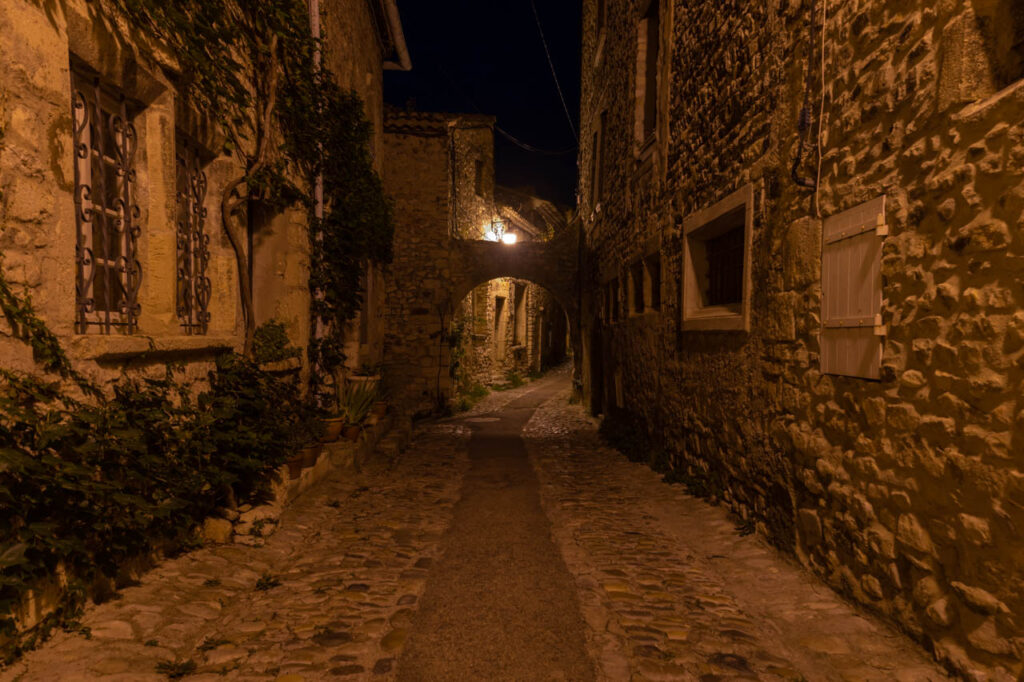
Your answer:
<point x="37" y="223"/>
<point x="488" y="359"/>
<point x="417" y="176"/>
<point x="354" y="53"/>
<point x="906" y="494"/>
<point x="430" y="171"/>
<point x="37" y="179"/>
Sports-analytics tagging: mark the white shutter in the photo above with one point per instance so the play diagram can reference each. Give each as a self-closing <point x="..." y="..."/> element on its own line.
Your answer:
<point x="851" y="300"/>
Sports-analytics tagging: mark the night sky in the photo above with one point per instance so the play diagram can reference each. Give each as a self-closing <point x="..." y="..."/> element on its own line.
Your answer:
<point x="486" y="56"/>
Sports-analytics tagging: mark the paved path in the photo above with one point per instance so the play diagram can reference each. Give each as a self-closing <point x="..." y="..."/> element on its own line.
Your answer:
<point x="500" y="604"/>
<point x="462" y="562"/>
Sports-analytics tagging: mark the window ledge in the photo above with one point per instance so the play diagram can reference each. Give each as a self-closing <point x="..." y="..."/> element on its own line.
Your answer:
<point x="599" y="52"/>
<point x="645" y="149"/>
<point x="1014" y="91"/>
<point x="110" y="347"/>
<point x="715" y="319"/>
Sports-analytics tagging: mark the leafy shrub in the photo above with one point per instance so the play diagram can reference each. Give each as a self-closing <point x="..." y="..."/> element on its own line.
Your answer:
<point x="86" y="486"/>
<point x="270" y="343"/>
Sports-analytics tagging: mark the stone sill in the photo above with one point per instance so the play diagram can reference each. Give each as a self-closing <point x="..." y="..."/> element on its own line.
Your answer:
<point x="109" y="347"/>
<point x="279" y="366"/>
<point x="1014" y="91"/>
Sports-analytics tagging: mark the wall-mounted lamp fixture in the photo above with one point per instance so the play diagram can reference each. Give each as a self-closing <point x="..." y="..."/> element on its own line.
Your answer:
<point x="495" y="232"/>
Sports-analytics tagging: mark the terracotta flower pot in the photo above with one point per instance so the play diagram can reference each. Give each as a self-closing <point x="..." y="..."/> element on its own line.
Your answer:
<point x="310" y="453"/>
<point x="332" y="429"/>
<point x="295" y="466"/>
<point x="352" y="432"/>
<point x="380" y="408"/>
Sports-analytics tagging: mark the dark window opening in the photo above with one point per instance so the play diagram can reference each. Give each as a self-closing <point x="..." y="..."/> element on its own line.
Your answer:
<point x="1002" y="25"/>
<point x="499" y="307"/>
<point x="725" y="267"/>
<point x="194" y="286"/>
<point x="519" y="311"/>
<point x="614" y="291"/>
<point x="654" y="276"/>
<point x="652" y="32"/>
<point x="478" y="177"/>
<point x="637" y="281"/>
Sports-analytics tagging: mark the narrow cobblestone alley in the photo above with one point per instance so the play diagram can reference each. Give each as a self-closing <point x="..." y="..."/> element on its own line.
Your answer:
<point x="641" y="582"/>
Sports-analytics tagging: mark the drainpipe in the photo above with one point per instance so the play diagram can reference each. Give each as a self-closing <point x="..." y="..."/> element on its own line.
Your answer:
<point x="314" y="29"/>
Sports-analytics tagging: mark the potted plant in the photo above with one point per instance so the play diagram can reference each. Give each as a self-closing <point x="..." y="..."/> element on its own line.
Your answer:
<point x="355" y="400"/>
<point x="333" y="426"/>
<point x="307" y="431"/>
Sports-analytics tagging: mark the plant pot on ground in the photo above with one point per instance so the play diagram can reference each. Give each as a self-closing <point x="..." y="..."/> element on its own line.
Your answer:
<point x="356" y="399"/>
<point x="333" y="426"/>
<point x="295" y="466"/>
<point x="310" y="453"/>
<point x="352" y="432"/>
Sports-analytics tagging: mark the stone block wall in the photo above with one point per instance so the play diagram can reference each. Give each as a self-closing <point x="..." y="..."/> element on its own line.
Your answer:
<point x="429" y="170"/>
<point x="37" y="176"/>
<point x="904" y="493"/>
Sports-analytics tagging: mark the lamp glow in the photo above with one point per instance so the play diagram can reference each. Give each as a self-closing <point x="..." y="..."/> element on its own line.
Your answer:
<point x="508" y="238"/>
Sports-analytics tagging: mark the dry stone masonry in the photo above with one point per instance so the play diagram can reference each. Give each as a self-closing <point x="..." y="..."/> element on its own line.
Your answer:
<point x="866" y="414"/>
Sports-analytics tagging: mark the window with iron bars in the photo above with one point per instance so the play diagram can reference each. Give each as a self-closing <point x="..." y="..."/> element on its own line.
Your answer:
<point x="194" y="288"/>
<point x="108" y="272"/>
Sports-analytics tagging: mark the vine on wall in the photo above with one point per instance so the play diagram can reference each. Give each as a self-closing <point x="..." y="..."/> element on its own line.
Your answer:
<point x="252" y="72"/>
<point x="88" y="480"/>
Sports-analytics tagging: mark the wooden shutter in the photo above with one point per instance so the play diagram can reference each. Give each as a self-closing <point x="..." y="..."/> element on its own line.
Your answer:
<point x="851" y="301"/>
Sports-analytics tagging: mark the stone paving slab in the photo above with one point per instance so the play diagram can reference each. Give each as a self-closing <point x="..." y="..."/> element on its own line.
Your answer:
<point x="330" y="595"/>
<point x="672" y="591"/>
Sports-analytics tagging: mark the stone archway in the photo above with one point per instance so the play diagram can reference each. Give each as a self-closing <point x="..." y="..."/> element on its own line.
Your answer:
<point x="436" y="280"/>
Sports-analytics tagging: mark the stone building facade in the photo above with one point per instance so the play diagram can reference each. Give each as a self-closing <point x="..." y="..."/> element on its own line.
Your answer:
<point x="439" y="168"/>
<point x="95" y="135"/>
<point x="509" y="326"/>
<point x="180" y="304"/>
<point x="804" y="253"/>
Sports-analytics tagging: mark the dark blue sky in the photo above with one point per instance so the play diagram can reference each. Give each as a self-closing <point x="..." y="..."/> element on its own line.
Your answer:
<point x="487" y="56"/>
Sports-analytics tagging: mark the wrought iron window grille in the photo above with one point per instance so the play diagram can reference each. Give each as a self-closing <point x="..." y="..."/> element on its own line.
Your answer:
<point x="108" y="272"/>
<point x="193" y="243"/>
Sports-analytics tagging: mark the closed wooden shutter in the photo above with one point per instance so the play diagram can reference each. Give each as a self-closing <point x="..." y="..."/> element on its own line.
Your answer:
<point x="851" y="301"/>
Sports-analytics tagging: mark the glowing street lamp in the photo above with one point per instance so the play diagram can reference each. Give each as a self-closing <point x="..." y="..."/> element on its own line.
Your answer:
<point x="495" y="232"/>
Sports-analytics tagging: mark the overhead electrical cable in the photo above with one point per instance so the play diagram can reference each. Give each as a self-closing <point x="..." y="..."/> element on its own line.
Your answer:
<point x="554" y="74"/>
<point x="504" y="133"/>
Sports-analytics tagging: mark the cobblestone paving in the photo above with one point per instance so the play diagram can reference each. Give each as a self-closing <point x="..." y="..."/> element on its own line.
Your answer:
<point x="671" y="591"/>
<point x="668" y="587"/>
<point x="329" y="596"/>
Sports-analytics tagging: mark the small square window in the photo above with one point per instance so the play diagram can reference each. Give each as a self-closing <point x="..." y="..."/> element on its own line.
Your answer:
<point x="716" y="262"/>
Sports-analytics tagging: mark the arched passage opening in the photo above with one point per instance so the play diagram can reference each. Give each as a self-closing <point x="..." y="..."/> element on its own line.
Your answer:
<point x="505" y="329"/>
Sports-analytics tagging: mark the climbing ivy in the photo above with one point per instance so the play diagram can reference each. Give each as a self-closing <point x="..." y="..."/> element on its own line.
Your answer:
<point x="251" y="69"/>
<point x="89" y="479"/>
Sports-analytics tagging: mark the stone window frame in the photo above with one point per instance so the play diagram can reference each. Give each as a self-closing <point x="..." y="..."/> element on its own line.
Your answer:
<point x="653" y="295"/>
<point x="646" y="139"/>
<point x="636" y="298"/>
<point x="92" y="95"/>
<point x="600" y="29"/>
<point x="598" y="175"/>
<point x="699" y="227"/>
